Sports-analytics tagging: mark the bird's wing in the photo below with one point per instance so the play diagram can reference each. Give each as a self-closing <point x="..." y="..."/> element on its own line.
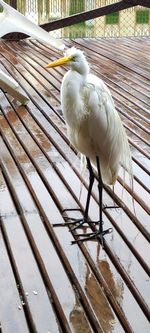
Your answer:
<point x="106" y="130"/>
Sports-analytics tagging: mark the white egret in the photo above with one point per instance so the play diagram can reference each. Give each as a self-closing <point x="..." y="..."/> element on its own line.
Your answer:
<point x="93" y="126"/>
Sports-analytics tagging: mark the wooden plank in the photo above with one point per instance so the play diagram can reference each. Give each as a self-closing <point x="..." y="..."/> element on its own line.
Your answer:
<point x="34" y="295"/>
<point x="42" y="177"/>
<point x="63" y="190"/>
<point x="51" y="261"/>
<point x="14" y="93"/>
<point x="12" y="313"/>
<point x="47" y="100"/>
<point x="55" y="262"/>
<point x="96" y="306"/>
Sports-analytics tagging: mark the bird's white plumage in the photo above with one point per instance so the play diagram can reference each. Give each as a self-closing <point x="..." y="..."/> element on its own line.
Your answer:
<point x="93" y="124"/>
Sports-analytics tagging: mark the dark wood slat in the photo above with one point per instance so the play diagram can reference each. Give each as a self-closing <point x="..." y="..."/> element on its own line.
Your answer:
<point x="123" y="113"/>
<point x="10" y="292"/>
<point x="41" y="177"/>
<point x="33" y="309"/>
<point x="124" y="324"/>
<point x="120" y="60"/>
<point x="24" y="217"/>
<point x="125" y="186"/>
<point x="47" y="185"/>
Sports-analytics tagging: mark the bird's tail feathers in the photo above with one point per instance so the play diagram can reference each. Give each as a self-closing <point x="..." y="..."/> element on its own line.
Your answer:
<point x="120" y="150"/>
<point x="127" y="159"/>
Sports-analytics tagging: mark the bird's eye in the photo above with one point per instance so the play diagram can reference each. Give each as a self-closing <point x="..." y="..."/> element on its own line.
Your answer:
<point x="73" y="59"/>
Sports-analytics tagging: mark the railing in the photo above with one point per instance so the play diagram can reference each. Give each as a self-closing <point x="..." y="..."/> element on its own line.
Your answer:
<point x="109" y="18"/>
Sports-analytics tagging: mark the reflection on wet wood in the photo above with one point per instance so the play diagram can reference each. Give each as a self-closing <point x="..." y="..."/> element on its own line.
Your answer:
<point x="46" y="284"/>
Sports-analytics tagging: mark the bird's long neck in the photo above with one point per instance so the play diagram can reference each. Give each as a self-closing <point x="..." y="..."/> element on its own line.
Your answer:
<point x="72" y="103"/>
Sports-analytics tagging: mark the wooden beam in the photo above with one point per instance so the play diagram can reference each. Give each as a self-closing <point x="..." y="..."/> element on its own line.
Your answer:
<point x="144" y="3"/>
<point x="13" y="3"/>
<point x="88" y="15"/>
<point x="84" y="16"/>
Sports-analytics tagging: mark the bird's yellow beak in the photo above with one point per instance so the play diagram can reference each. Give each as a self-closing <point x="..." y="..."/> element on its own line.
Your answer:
<point x="59" y="62"/>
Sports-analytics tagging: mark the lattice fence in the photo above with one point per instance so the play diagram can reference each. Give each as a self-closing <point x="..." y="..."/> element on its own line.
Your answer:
<point x="134" y="21"/>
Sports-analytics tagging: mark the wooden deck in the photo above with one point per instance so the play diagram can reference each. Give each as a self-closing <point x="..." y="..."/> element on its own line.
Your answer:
<point x="47" y="285"/>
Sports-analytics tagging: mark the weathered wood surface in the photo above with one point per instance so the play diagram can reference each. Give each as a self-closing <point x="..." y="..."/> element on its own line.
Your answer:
<point x="47" y="285"/>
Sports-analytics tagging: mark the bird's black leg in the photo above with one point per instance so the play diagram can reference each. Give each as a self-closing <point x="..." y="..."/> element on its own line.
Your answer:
<point x="100" y="233"/>
<point x="79" y="222"/>
<point x="100" y="192"/>
<point x="91" y="181"/>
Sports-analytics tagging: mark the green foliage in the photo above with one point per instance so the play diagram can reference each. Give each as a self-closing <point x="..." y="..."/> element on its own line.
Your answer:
<point x="76" y="6"/>
<point x="142" y="16"/>
<point x="112" y="18"/>
<point x="77" y="30"/>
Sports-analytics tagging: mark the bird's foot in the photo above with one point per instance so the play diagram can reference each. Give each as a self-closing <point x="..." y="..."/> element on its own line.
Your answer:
<point x="75" y="222"/>
<point x="92" y="235"/>
<point x="69" y="220"/>
<point x="111" y="207"/>
<point x="78" y="222"/>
